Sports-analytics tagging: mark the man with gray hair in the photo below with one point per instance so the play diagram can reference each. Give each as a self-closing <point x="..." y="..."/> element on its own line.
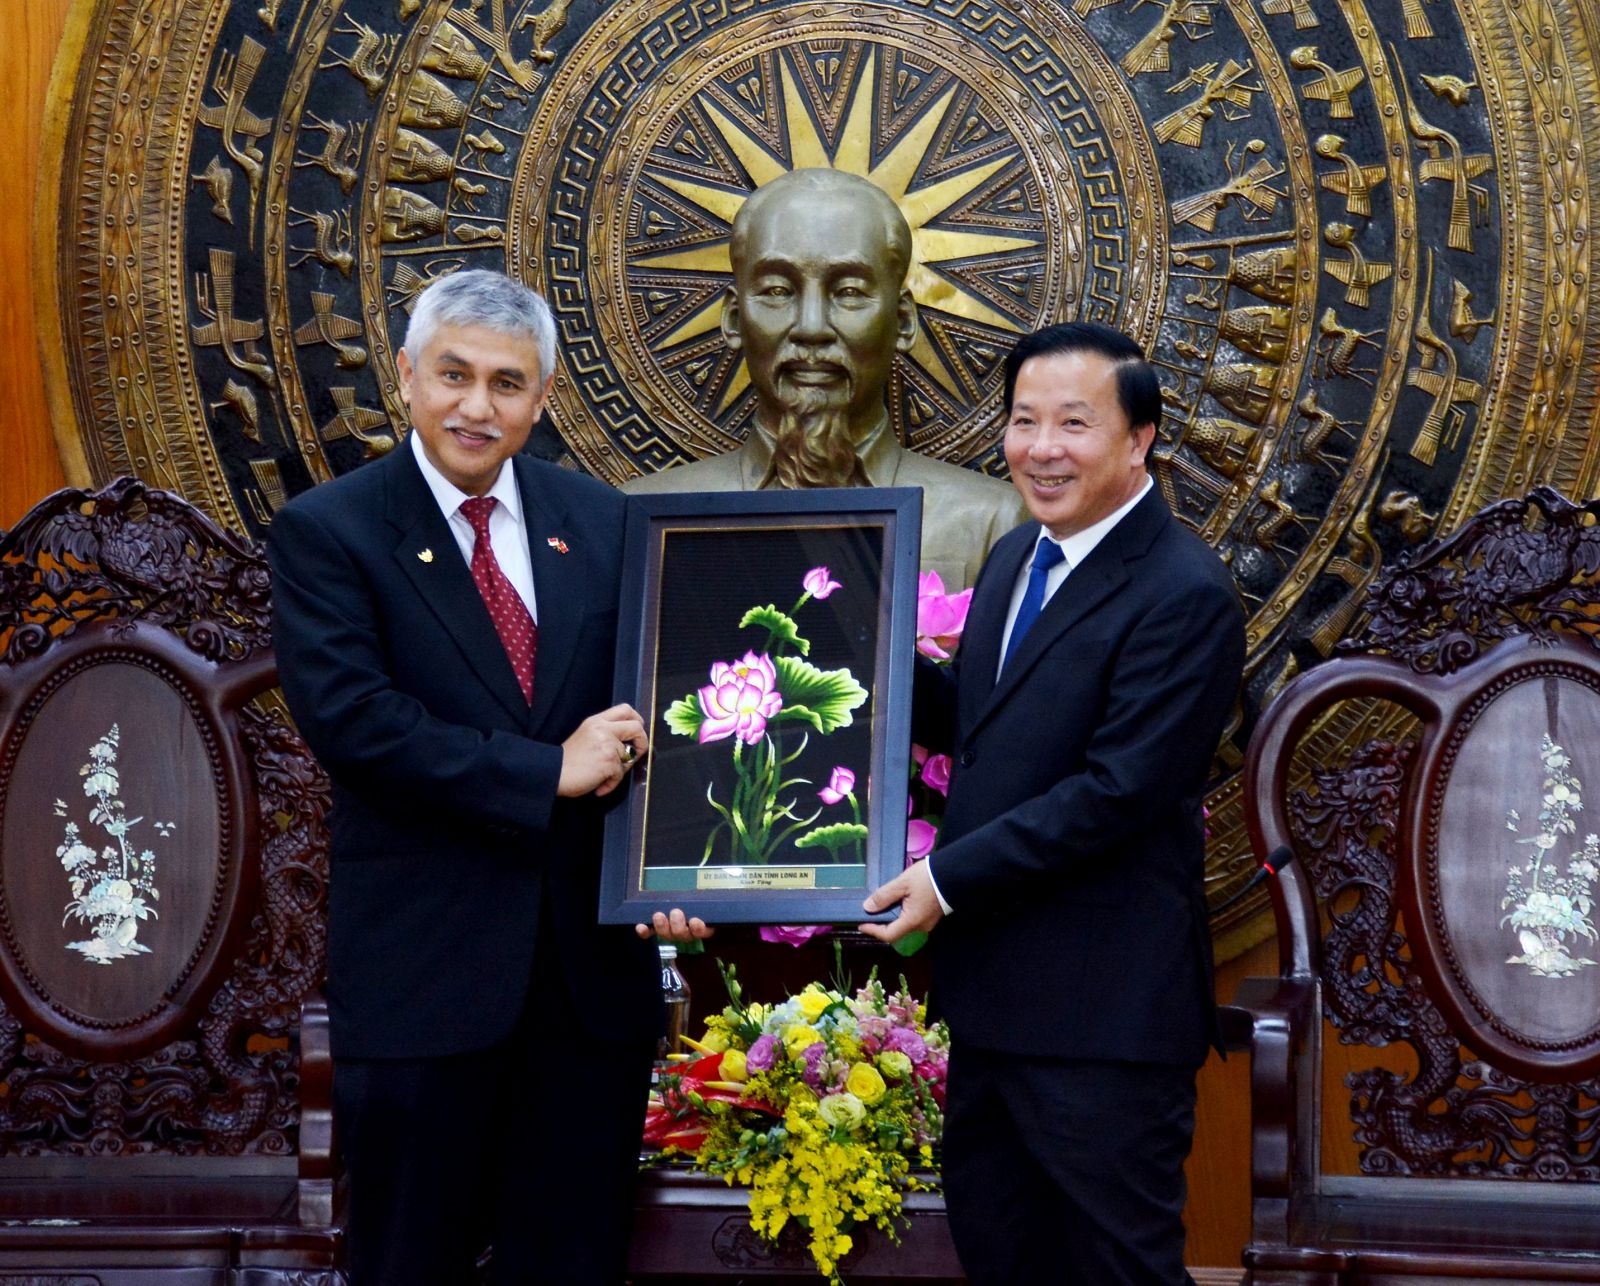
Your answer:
<point x="445" y="624"/>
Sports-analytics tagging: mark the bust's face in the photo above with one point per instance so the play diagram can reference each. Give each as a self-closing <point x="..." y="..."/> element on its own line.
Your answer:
<point x="818" y="307"/>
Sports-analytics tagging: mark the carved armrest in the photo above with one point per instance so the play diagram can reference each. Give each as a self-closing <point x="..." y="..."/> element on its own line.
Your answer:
<point x="316" y="1114"/>
<point x="1272" y="1017"/>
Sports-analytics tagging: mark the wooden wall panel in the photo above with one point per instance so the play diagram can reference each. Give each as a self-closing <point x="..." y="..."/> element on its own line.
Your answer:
<point x="29" y="465"/>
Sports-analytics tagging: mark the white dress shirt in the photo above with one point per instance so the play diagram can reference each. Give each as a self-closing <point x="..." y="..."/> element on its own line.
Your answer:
<point x="508" y="532"/>
<point x="1075" y="549"/>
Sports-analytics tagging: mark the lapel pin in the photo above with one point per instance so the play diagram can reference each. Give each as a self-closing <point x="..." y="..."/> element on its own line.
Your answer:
<point x="425" y="554"/>
<point x="556" y="543"/>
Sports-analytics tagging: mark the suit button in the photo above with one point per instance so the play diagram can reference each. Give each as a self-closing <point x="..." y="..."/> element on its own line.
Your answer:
<point x="968" y="758"/>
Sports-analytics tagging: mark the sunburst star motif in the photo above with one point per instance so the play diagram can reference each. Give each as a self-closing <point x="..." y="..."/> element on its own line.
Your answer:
<point x="894" y="173"/>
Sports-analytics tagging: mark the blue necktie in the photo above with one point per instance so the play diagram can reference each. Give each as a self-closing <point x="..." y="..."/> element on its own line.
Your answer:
<point x="1045" y="556"/>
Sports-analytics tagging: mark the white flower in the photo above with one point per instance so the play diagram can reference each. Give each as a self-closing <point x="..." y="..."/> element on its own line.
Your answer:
<point x="842" y="1110"/>
<point x="103" y="782"/>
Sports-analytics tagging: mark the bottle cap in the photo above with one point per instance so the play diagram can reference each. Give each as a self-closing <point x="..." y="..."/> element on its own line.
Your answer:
<point x="668" y="950"/>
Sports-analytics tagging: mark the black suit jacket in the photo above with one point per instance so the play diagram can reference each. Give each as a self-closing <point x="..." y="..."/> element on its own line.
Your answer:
<point x="1073" y="850"/>
<point x="448" y="840"/>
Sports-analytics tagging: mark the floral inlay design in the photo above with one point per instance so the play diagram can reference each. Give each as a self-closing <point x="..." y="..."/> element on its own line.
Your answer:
<point x="750" y="701"/>
<point x="112" y="890"/>
<point x="1549" y="909"/>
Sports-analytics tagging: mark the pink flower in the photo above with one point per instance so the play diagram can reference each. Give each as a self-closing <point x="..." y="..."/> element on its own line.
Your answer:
<point x="818" y="584"/>
<point x="794" y="935"/>
<point x="840" y="784"/>
<point x="812" y="1072"/>
<point x="740" y="699"/>
<point x="920" y="836"/>
<point x="906" y="1040"/>
<point x="936" y="772"/>
<point x="763" y="1054"/>
<point x="940" y="617"/>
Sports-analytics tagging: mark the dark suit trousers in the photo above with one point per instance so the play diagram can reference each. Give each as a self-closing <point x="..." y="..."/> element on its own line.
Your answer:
<point x="1066" y="1172"/>
<point x="533" y="1145"/>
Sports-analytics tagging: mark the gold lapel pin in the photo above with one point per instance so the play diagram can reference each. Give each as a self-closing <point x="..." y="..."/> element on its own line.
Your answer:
<point x="556" y="543"/>
<point x="425" y="554"/>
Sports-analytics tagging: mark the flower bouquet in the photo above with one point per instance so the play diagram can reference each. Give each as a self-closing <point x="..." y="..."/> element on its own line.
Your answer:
<point x="821" y="1105"/>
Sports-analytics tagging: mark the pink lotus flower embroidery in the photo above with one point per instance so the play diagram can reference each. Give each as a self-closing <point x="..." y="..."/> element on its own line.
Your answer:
<point x="940" y="617"/>
<point x="840" y="784"/>
<point x="740" y="699"/>
<point x="818" y="584"/>
<point x="936" y="772"/>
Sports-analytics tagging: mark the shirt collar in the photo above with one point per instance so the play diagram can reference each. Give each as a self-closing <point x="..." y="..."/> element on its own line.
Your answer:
<point x="449" y="497"/>
<point x="1080" y="544"/>
<point x="878" y="452"/>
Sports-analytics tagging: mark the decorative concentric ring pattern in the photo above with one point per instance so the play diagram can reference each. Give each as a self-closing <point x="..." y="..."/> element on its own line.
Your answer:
<point x="1357" y="236"/>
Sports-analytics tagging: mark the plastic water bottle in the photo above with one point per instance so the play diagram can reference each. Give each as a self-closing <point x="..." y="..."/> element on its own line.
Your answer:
<point x="675" y="999"/>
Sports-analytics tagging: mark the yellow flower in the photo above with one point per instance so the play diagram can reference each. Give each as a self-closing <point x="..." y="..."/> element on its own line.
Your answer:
<point x="714" y="1041"/>
<point x="865" y="1083"/>
<point x="895" y="1065"/>
<point x="798" y="1039"/>
<point x="813" y="1002"/>
<point x="843" y="1109"/>
<point x="732" y="1067"/>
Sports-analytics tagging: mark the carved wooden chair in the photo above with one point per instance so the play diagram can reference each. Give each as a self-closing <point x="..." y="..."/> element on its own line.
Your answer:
<point x="164" y="1074"/>
<point x="1443" y="906"/>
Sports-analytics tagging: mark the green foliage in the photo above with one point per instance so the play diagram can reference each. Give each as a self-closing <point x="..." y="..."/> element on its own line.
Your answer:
<point x="823" y="698"/>
<point x="684" y="716"/>
<point x="780" y="628"/>
<point x="833" y="837"/>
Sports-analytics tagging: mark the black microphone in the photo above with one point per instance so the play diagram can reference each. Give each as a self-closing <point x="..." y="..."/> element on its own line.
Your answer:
<point x="1276" y="861"/>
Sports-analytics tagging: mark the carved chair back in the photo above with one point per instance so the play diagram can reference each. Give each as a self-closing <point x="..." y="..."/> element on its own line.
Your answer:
<point x="1443" y="903"/>
<point x="163" y="876"/>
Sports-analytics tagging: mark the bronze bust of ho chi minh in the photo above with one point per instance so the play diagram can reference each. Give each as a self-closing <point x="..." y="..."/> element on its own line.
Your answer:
<point x="819" y="308"/>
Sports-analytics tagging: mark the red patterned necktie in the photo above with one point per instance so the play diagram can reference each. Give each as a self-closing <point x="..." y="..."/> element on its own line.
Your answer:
<point x="518" y="633"/>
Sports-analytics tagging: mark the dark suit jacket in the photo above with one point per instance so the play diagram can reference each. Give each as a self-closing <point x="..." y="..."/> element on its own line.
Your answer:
<point x="448" y="839"/>
<point x="1073" y="849"/>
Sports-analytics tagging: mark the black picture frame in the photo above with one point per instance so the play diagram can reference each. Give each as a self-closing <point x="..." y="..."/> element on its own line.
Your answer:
<point x="699" y="570"/>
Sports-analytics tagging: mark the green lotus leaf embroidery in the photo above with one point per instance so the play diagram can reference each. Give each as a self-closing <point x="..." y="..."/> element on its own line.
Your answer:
<point x="780" y="627"/>
<point x="828" y="697"/>
<point x="833" y="838"/>
<point x="684" y="716"/>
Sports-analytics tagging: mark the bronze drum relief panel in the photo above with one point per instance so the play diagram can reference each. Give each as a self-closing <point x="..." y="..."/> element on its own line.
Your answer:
<point x="1357" y="237"/>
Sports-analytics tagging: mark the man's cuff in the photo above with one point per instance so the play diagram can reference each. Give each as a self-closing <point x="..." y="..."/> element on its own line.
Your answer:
<point x="943" y="905"/>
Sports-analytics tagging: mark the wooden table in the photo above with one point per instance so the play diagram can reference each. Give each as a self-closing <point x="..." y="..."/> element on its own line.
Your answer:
<point x="691" y="1228"/>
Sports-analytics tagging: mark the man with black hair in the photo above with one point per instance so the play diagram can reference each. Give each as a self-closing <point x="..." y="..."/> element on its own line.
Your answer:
<point x="1071" y="954"/>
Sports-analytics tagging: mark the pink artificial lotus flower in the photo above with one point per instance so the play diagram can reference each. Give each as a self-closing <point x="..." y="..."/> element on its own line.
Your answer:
<point x="840" y="784"/>
<point x="920" y="836"/>
<point x="818" y="584"/>
<point x="793" y="935"/>
<point x="740" y="699"/>
<point x="940" y="617"/>
<point x="936" y="772"/>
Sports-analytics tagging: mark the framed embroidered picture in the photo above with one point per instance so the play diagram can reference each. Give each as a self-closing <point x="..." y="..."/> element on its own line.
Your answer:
<point x="767" y="639"/>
